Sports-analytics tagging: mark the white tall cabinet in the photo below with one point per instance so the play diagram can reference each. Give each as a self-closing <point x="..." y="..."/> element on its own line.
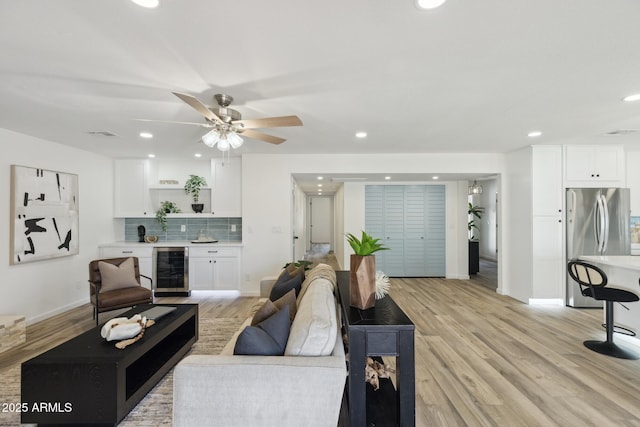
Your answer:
<point x="547" y="224"/>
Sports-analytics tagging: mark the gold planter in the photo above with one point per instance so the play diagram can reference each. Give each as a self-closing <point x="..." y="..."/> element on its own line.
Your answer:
<point x="362" y="281"/>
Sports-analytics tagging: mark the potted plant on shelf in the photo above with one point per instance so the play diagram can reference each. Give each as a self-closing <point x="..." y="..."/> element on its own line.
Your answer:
<point x="362" y="278"/>
<point x="161" y="214"/>
<point x="193" y="186"/>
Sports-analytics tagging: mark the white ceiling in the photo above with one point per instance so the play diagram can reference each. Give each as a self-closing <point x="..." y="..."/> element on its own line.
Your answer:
<point x="471" y="76"/>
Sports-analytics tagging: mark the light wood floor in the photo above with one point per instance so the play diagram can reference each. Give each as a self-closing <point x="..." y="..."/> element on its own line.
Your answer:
<point x="482" y="359"/>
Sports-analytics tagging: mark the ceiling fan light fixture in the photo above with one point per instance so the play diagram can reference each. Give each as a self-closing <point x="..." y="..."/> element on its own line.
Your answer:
<point x="211" y="138"/>
<point x="429" y="4"/>
<point x="234" y="140"/>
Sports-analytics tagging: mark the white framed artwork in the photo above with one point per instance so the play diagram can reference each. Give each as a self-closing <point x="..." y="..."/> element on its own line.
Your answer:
<point x="44" y="214"/>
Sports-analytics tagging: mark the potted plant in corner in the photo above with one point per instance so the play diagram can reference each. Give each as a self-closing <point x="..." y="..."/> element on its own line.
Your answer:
<point x="193" y="186"/>
<point x="474" y="246"/>
<point x="362" y="278"/>
<point x="161" y="214"/>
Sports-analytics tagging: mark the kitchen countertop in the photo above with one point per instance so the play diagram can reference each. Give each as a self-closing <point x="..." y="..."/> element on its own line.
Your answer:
<point x="172" y="243"/>
<point x="629" y="262"/>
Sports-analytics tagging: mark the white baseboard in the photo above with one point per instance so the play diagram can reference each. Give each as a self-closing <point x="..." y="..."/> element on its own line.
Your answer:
<point x="546" y="301"/>
<point x="43" y="316"/>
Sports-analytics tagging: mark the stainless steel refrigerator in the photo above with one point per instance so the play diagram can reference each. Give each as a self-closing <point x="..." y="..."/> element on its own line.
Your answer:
<point x="597" y="224"/>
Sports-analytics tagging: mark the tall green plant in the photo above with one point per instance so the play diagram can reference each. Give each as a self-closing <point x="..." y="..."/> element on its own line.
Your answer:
<point x="366" y="245"/>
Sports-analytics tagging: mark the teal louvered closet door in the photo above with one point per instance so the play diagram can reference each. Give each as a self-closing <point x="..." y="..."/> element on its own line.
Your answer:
<point x="410" y="220"/>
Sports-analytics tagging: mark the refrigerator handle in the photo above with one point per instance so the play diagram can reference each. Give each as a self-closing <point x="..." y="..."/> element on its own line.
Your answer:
<point x="605" y="228"/>
<point x="597" y="220"/>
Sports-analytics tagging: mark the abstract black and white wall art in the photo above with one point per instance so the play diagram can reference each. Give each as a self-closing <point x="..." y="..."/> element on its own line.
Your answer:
<point x="44" y="208"/>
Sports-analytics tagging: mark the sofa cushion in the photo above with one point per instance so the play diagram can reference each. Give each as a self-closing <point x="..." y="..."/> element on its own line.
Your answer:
<point x="281" y="288"/>
<point x="268" y="338"/>
<point x="117" y="276"/>
<point x="315" y="327"/>
<point x="319" y="271"/>
<point x="288" y="299"/>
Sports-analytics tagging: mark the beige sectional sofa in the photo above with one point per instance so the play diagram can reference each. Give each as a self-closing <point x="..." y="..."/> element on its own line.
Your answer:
<point x="304" y="387"/>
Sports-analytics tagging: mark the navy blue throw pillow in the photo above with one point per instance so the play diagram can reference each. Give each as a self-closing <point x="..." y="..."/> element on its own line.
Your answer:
<point x="267" y="338"/>
<point x="280" y="289"/>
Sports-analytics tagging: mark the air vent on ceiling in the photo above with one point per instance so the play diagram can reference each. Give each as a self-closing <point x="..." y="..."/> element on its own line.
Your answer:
<point x="622" y="132"/>
<point x="101" y="133"/>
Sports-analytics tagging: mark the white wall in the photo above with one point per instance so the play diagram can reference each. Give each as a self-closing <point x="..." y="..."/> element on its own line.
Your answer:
<point x="338" y="215"/>
<point x="487" y="233"/>
<point x="267" y="210"/>
<point x="41" y="289"/>
<point x="516" y="250"/>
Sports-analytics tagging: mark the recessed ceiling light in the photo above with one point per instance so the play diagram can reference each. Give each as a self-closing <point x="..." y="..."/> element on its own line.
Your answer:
<point x="150" y="4"/>
<point x="151" y="156"/>
<point x="429" y="4"/>
<point x="320" y="178"/>
<point x="361" y="134"/>
<point x="387" y="177"/>
<point x="435" y="177"/>
<point x="197" y="155"/>
<point x="534" y="134"/>
<point x="319" y="185"/>
<point x="631" y="98"/>
<point x="146" y="135"/>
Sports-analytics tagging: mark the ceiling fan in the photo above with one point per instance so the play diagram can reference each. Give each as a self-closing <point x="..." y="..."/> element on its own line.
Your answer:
<point x="227" y="125"/>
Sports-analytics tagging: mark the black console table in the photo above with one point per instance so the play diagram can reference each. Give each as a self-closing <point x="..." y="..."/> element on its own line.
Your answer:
<point x="87" y="380"/>
<point x="384" y="330"/>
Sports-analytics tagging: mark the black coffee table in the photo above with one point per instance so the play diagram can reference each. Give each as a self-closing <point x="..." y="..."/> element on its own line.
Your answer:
<point x="86" y="380"/>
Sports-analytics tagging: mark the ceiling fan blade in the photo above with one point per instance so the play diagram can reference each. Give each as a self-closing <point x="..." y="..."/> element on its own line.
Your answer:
<point x="198" y="106"/>
<point x="203" y="125"/>
<point x="262" y="136"/>
<point x="270" y="122"/>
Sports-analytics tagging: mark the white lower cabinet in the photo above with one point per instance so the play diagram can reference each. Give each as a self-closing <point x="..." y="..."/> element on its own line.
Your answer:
<point x="214" y="268"/>
<point x="144" y="255"/>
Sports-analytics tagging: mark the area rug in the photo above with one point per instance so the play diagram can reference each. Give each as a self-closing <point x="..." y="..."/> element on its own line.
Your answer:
<point x="156" y="408"/>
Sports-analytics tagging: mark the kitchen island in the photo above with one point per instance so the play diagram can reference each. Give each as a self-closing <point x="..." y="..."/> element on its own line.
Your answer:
<point x="623" y="272"/>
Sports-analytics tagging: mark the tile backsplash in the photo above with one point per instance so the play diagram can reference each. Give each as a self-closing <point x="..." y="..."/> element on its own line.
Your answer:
<point x="215" y="228"/>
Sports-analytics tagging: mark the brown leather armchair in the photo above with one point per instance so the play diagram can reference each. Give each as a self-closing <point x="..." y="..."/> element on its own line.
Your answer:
<point x="123" y="291"/>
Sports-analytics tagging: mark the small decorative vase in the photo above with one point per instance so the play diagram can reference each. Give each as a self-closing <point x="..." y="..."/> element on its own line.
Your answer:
<point x="362" y="281"/>
<point x="197" y="207"/>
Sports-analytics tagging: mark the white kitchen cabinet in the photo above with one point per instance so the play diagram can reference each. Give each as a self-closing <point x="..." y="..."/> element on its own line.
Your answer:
<point x="547" y="263"/>
<point x="547" y="223"/>
<point x="132" y="178"/>
<point x="214" y="268"/>
<point x="594" y="166"/>
<point x="227" y="187"/>
<point x="547" y="180"/>
<point x="143" y="253"/>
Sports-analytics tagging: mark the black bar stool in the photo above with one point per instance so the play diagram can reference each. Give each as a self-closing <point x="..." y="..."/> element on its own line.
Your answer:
<point x="593" y="283"/>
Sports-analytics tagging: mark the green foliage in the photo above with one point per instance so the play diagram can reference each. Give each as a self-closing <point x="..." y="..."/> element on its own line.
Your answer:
<point x="366" y="245"/>
<point x="474" y="211"/>
<point x="161" y="213"/>
<point x="193" y="185"/>
<point x="305" y="263"/>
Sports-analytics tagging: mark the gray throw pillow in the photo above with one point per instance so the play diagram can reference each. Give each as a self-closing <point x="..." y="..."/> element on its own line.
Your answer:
<point x="268" y="338"/>
<point x="280" y="289"/>
<point x="117" y="276"/>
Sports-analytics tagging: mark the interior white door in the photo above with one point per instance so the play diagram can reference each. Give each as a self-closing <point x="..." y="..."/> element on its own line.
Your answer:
<point x="321" y="220"/>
